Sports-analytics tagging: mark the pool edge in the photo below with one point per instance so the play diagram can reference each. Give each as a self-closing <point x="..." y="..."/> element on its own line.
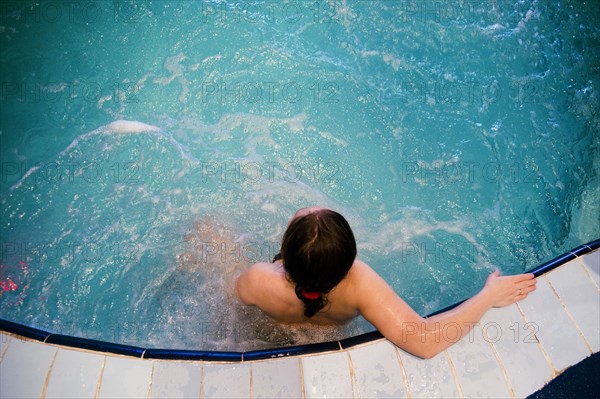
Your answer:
<point x="223" y="356"/>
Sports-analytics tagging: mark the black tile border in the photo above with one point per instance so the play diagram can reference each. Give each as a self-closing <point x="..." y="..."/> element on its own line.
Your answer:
<point x="94" y="345"/>
<point x="593" y="245"/>
<point x="360" y="339"/>
<point x="23" y="330"/>
<point x="581" y="250"/>
<point x="320" y="347"/>
<point x="184" y="354"/>
<point x="236" y="357"/>
<point x="552" y="264"/>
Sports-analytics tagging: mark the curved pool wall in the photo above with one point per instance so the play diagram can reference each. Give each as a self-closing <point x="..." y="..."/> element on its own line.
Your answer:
<point x="511" y="352"/>
<point x="436" y="138"/>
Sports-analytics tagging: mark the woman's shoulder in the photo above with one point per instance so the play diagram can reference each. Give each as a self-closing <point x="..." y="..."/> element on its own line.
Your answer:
<point x="266" y="268"/>
<point x="362" y="279"/>
<point x="261" y="266"/>
<point x="260" y="271"/>
<point x="360" y="270"/>
<point x="248" y="282"/>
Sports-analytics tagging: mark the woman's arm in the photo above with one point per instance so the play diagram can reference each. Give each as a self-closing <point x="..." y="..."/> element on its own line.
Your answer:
<point x="399" y="323"/>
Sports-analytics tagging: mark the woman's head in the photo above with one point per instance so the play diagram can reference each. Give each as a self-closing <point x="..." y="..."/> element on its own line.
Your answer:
<point x="318" y="249"/>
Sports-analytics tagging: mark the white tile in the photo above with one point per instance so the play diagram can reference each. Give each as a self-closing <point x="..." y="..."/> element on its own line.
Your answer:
<point x="226" y="380"/>
<point x="377" y="371"/>
<point x="277" y="378"/>
<point x="429" y="378"/>
<point x="75" y="374"/>
<point x="479" y="373"/>
<point x="553" y="327"/>
<point x="176" y="380"/>
<point x="125" y="378"/>
<point x="592" y="264"/>
<point x="581" y="298"/>
<point x="518" y="349"/>
<point x="327" y="375"/>
<point x="24" y="369"/>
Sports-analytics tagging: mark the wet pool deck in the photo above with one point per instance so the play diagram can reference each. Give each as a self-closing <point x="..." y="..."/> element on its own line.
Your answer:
<point x="511" y="352"/>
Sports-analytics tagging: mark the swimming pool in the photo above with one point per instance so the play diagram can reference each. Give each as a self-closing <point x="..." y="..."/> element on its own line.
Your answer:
<point x="152" y="149"/>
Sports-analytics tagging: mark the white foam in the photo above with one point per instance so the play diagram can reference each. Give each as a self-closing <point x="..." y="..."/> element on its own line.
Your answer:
<point x="115" y="127"/>
<point x="123" y="126"/>
<point x="392" y="235"/>
<point x="172" y="64"/>
<point x="118" y="126"/>
<point x="25" y="176"/>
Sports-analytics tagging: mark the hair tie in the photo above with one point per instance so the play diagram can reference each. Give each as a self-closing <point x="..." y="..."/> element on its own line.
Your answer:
<point x="309" y="295"/>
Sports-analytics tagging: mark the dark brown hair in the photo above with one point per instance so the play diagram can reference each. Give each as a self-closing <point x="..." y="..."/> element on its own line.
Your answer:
<point x="318" y="250"/>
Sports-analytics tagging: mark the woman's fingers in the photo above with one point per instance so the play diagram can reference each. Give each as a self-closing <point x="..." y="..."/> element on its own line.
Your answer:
<point x="527" y="285"/>
<point x="505" y="290"/>
<point x="524" y="288"/>
<point x="521" y="277"/>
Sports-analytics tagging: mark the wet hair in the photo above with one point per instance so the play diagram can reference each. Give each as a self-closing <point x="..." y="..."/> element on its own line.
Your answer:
<point x="318" y="250"/>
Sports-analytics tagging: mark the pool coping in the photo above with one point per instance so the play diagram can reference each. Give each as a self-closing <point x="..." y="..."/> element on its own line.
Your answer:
<point x="236" y="357"/>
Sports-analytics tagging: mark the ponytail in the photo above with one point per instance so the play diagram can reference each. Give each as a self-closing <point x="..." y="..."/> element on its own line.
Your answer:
<point x="313" y="302"/>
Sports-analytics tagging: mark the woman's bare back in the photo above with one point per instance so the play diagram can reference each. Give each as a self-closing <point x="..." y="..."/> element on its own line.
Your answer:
<point x="266" y="286"/>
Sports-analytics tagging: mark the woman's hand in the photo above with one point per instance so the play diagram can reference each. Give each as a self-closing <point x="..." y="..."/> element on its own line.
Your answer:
<point x="504" y="290"/>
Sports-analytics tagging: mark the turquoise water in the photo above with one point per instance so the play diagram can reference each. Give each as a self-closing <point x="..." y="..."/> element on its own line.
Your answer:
<point x="151" y="150"/>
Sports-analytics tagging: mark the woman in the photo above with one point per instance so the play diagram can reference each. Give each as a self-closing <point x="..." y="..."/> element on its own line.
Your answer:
<point x="317" y="279"/>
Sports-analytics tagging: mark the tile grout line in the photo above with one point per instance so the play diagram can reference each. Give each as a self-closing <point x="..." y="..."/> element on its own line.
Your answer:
<point x="251" y="390"/>
<point x="587" y="272"/>
<point x="526" y="326"/>
<point x="301" y="376"/>
<point x="502" y="367"/>
<point x="201" y="382"/>
<point x="100" y="377"/>
<point x="151" y="380"/>
<point x="353" y="381"/>
<point x="5" y="347"/>
<point x="404" y="376"/>
<point x="48" y="375"/>
<point x="537" y="339"/>
<point x="589" y="347"/>
<point x="454" y="374"/>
